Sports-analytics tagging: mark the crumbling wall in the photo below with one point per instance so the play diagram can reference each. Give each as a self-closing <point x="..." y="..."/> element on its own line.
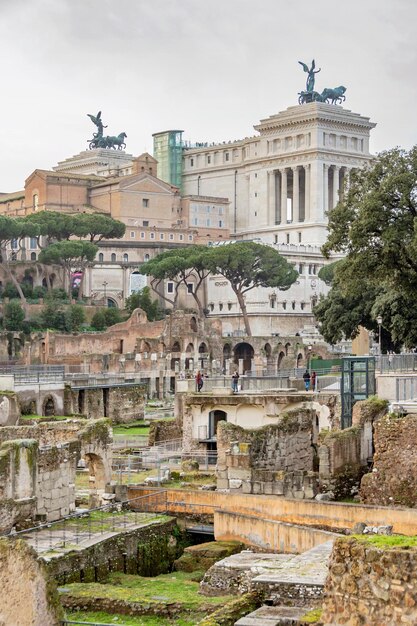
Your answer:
<point x="275" y="459"/>
<point x="124" y="403"/>
<point x="9" y="408"/>
<point x="340" y="467"/>
<point x="29" y="596"/>
<point x="371" y="585"/>
<point x="393" y="480"/>
<point x="55" y="486"/>
<point x="164" y="430"/>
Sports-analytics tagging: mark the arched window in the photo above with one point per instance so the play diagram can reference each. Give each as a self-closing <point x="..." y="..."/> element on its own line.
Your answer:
<point x="113" y="257"/>
<point x="33" y="256"/>
<point x="101" y="257"/>
<point x="125" y="257"/>
<point x="146" y="257"/>
<point x="35" y="201"/>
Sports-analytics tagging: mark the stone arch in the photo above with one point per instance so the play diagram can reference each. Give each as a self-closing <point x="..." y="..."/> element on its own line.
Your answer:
<point x="176" y="347"/>
<point x="193" y="324"/>
<point x="300" y="360"/>
<point x="112" y="304"/>
<point x="190" y="348"/>
<point x="97" y="470"/>
<point x="48" y="408"/>
<point x="145" y="346"/>
<point x="202" y="348"/>
<point x="287" y="348"/>
<point x="270" y="362"/>
<point x="244" y="352"/>
<point x="268" y="350"/>
<point x="281" y="357"/>
<point x="215" y="417"/>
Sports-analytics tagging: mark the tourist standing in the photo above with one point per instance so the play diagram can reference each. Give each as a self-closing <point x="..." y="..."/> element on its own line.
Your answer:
<point x="306" y="378"/>
<point x="199" y="381"/>
<point x="235" y="378"/>
<point x="313" y="381"/>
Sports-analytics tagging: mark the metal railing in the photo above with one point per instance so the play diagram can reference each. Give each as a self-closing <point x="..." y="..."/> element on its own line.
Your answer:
<point x="82" y="526"/>
<point x="406" y="388"/>
<point x="126" y="467"/>
<point x="388" y="363"/>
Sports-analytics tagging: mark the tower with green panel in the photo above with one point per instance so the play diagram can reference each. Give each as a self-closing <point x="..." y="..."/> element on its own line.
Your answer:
<point x="167" y="150"/>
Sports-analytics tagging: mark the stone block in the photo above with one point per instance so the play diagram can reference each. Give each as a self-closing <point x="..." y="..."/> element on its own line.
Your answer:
<point x="235" y="483"/>
<point x="222" y="473"/>
<point x="239" y="474"/>
<point x="257" y="487"/>
<point x="247" y="486"/>
<point x="278" y="488"/>
<point x="222" y="483"/>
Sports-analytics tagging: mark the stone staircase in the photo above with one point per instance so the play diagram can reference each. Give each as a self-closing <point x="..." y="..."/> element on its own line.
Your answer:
<point x="292" y="587"/>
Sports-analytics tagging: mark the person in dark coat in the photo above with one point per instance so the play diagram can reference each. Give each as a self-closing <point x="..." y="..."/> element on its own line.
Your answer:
<point x="306" y="377"/>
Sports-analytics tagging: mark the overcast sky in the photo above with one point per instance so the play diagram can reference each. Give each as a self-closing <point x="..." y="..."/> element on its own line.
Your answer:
<point x="213" y="68"/>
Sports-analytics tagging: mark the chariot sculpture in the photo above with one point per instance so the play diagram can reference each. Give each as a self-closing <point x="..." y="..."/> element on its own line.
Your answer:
<point x="330" y="96"/>
<point x="108" y="141"/>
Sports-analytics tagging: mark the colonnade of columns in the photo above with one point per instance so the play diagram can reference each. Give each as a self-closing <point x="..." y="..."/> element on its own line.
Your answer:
<point x="304" y="192"/>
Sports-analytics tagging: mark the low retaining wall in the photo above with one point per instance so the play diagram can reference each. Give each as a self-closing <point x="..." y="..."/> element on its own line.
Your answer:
<point x="147" y="551"/>
<point x="267" y="534"/>
<point x="328" y="515"/>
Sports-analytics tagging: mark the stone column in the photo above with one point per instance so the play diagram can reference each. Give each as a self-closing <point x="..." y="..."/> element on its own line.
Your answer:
<point x="325" y="189"/>
<point x="295" y="194"/>
<point x="336" y="183"/>
<point x="307" y="193"/>
<point x="271" y="199"/>
<point x="316" y="191"/>
<point x="278" y="209"/>
<point x="283" y="196"/>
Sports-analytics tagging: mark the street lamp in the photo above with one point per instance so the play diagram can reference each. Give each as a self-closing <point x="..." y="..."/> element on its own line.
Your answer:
<point x="379" y="322"/>
<point x="105" y="292"/>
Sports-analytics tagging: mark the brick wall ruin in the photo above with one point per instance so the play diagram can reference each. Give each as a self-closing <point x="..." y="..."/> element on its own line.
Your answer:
<point x="370" y="586"/>
<point x="38" y="465"/>
<point x="393" y="480"/>
<point x="275" y="459"/>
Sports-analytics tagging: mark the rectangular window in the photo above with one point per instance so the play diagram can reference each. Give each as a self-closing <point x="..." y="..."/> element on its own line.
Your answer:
<point x="208" y="222"/>
<point x="145" y="223"/>
<point x="33" y="243"/>
<point x="288" y="238"/>
<point x="132" y="234"/>
<point x="220" y="224"/>
<point x="161" y="236"/>
<point x="190" y="237"/>
<point x="256" y="194"/>
<point x="14" y="244"/>
<point x="190" y="288"/>
<point x="152" y="235"/>
<point x="195" y="221"/>
<point x="142" y="235"/>
<point x="145" y="202"/>
<point x="171" y="237"/>
<point x="191" y="162"/>
<point x="275" y="238"/>
<point x="226" y="156"/>
<point x="208" y="160"/>
<point x="299" y="237"/>
<point x="220" y="210"/>
<point x="181" y="237"/>
<point x="170" y="287"/>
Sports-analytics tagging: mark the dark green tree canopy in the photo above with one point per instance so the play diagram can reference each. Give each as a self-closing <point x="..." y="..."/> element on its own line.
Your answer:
<point x="244" y="264"/>
<point x="375" y="225"/>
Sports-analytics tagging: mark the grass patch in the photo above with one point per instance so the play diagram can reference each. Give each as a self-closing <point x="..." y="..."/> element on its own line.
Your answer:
<point x="175" y="587"/>
<point x="131" y="431"/>
<point x="127" y="620"/>
<point x="50" y="418"/>
<point x="313" y="616"/>
<point x="388" y="541"/>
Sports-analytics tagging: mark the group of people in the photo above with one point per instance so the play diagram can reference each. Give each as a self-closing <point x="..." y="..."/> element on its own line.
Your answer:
<point x="199" y="381"/>
<point x="310" y="380"/>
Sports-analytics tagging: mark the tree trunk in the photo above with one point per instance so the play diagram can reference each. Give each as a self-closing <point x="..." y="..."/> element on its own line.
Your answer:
<point x="242" y="305"/>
